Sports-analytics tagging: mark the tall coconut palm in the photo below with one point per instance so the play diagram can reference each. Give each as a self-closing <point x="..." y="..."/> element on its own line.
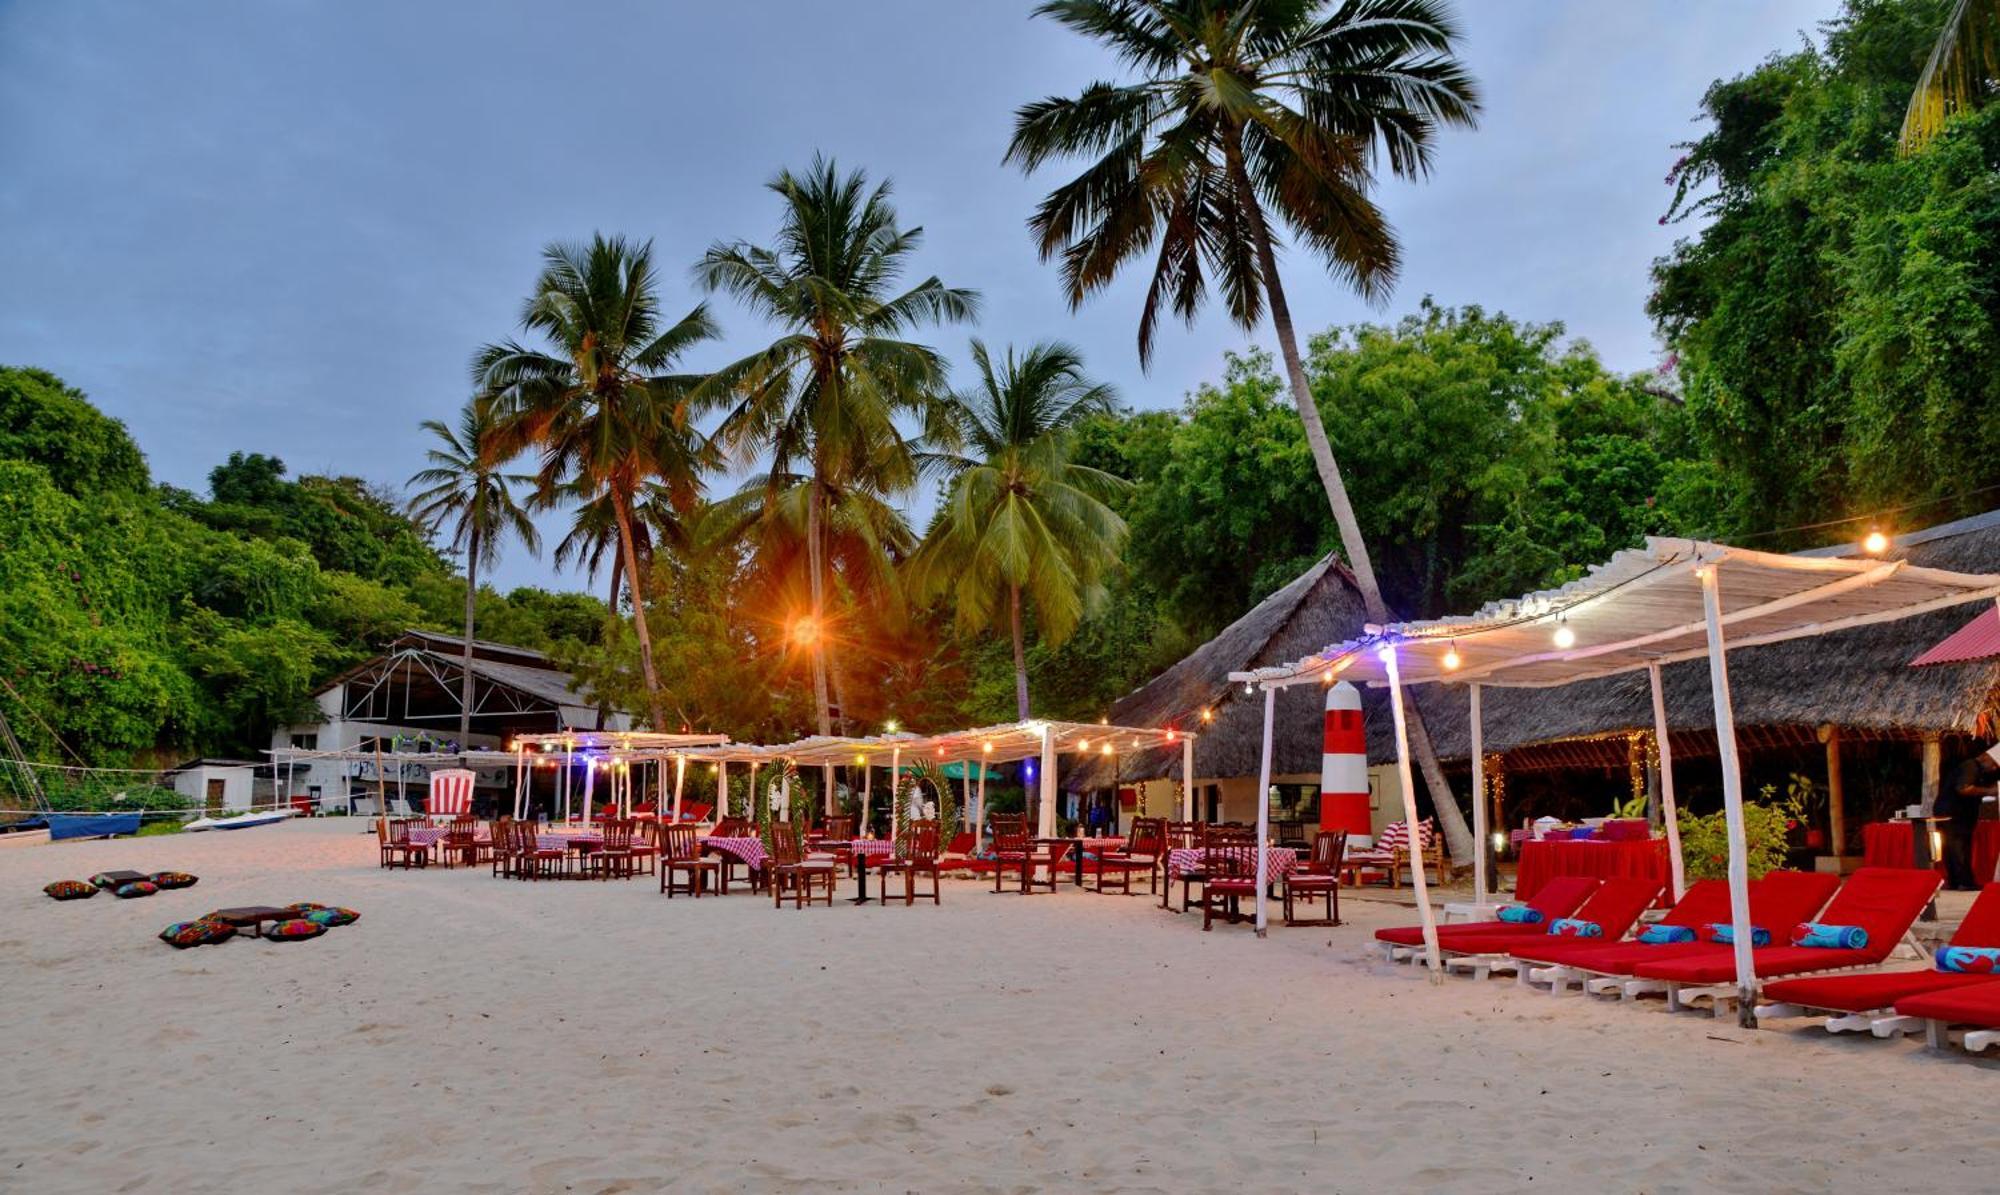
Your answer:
<point x="1960" y="73"/>
<point x="470" y="498"/>
<point x="824" y="399"/>
<point x="1021" y="517"/>
<point x="603" y="405"/>
<point x="592" y="539"/>
<point x="1242" y="119"/>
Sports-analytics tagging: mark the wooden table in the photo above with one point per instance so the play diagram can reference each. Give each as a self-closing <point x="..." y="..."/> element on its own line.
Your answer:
<point x="253" y="917"/>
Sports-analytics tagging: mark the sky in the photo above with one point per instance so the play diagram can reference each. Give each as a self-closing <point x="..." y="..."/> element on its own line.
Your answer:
<point x="285" y="226"/>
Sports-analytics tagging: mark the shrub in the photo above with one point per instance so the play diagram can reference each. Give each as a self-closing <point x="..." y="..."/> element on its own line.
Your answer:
<point x="1705" y="842"/>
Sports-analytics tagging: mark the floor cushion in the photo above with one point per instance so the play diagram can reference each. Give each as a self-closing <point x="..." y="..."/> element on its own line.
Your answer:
<point x="202" y="931"/>
<point x="331" y="917"/>
<point x="175" y="879"/>
<point x="135" y="888"/>
<point x="294" y="930"/>
<point x="303" y="907"/>
<point x="70" y="890"/>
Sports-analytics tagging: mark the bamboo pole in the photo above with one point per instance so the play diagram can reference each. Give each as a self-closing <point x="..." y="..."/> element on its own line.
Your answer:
<point x="1732" y="800"/>
<point x="1669" y="809"/>
<point x="1419" y="880"/>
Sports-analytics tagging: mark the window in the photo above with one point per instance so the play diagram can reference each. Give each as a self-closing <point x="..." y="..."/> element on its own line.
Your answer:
<point x="306" y="742"/>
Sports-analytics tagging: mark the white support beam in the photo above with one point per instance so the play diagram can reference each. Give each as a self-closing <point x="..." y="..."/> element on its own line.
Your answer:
<point x="1187" y="779"/>
<point x="1264" y="809"/>
<point x="1420" y="882"/>
<point x="1480" y="846"/>
<point x="1669" y="808"/>
<point x="1045" y="821"/>
<point x="1732" y="801"/>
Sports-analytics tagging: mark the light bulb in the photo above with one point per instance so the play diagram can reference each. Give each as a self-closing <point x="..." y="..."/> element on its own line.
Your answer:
<point x="1207" y="714"/>
<point x="988" y="748"/>
<point x="1565" y="638"/>
<point x="1107" y="748"/>
<point x="1451" y="660"/>
<point x="1876" y="543"/>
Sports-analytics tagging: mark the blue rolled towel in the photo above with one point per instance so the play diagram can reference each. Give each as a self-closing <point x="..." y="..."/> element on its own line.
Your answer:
<point x="1520" y="915"/>
<point x="1971" y="960"/>
<point x="1660" y="935"/>
<point x="1830" y="937"/>
<point x="1575" y="927"/>
<point x="1725" y="933"/>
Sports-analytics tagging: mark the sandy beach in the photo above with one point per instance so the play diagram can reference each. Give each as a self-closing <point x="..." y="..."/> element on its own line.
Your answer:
<point x="472" y="1034"/>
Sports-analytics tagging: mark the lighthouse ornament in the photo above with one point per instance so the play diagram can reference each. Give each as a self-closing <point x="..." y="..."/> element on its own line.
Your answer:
<point x="1343" y="771"/>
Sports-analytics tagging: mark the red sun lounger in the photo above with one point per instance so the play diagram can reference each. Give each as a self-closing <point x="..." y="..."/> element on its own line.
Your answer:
<point x="1884" y="901"/>
<point x="1557" y="898"/>
<point x="1975" y="1004"/>
<point x="1864" y="1000"/>
<point x="1781" y="897"/>
<point x="1615" y="905"/>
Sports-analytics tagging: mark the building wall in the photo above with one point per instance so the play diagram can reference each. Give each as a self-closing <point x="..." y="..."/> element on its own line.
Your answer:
<point x="330" y="780"/>
<point x="1239" y="797"/>
<point x="240" y="790"/>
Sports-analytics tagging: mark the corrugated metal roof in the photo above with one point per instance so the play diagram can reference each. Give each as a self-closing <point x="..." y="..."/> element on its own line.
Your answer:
<point x="1976" y="640"/>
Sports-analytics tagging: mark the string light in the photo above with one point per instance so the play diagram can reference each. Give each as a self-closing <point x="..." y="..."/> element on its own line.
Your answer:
<point x="987" y="748"/>
<point x="1207" y="714"/>
<point x="1876" y="543"/>
<point x="1451" y="660"/>
<point x="1565" y="637"/>
<point x="1083" y="745"/>
<point x="1107" y="748"/>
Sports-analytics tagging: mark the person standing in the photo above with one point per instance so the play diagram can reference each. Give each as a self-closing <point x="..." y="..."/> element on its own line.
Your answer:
<point x="1974" y="779"/>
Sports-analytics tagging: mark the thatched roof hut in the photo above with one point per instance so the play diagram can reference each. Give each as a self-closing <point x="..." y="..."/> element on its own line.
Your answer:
<point x="1859" y="680"/>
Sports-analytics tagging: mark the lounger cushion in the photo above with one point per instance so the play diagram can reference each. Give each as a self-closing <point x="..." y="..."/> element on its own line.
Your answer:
<point x="1863" y="993"/>
<point x="1413" y="935"/>
<point x="202" y="931"/>
<point x="1981" y="926"/>
<point x="70" y="890"/>
<point x="135" y="888"/>
<point x="1966" y="1004"/>
<point x="1557" y="898"/>
<point x="1605" y="958"/>
<point x="175" y="879"/>
<point x="1968" y="960"/>
<point x="1720" y="965"/>
<point x="293" y="930"/>
<point x="331" y="917"/>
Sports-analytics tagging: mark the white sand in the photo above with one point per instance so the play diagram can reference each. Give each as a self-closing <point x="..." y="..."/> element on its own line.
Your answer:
<point x="472" y="1034"/>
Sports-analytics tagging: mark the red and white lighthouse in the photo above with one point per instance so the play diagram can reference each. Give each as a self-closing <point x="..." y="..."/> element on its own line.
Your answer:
<point x="1343" y="769"/>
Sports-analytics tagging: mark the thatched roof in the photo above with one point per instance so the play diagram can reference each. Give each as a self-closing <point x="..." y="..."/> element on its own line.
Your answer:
<point x="1321" y="606"/>
<point x="1860" y="680"/>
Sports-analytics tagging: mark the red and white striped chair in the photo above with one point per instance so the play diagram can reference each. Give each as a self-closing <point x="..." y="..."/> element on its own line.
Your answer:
<point x="1387" y="859"/>
<point x="451" y="794"/>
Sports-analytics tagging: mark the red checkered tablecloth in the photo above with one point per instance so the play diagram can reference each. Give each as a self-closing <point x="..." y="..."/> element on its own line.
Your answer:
<point x="749" y="849"/>
<point x="562" y="842"/>
<point x="1278" y="860"/>
<point x="873" y="846"/>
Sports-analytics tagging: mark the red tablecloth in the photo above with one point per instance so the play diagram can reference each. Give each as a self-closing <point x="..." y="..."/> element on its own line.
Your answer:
<point x="1889" y="844"/>
<point x="1644" y="859"/>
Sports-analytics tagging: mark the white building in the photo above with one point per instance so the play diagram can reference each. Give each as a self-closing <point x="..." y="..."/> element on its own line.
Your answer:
<point x="222" y="785"/>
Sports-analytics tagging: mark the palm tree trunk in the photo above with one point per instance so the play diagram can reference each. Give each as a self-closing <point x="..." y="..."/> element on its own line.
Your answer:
<point x="1457" y="836"/>
<point x="620" y="506"/>
<point x="1020" y="653"/>
<point x="465" y="665"/>
<point x="617" y="579"/>
<point x="815" y="555"/>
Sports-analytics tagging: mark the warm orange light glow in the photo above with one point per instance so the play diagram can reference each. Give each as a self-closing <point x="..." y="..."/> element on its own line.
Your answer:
<point x="1107" y="748"/>
<point x="1876" y="543"/>
<point x="805" y="632"/>
<point x="1207" y="714"/>
<point x="1083" y="745"/>
<point x="1451" y="660"/>
<point x="988" y="748"/>
<point x="1170" y="734"/>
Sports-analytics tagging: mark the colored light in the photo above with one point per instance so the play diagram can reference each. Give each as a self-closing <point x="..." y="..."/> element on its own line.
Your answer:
<point x="1107" y="748"/>
<point x="1451" y="660"/>
<point x="988" y="748"/>
<point x="1207" y="714"/>
<point x="1876" y="543"/>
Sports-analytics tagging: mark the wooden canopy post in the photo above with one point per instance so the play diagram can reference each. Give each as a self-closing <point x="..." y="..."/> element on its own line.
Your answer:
<point x="826" y="788"/>
<point x="1264" y="806"/>
<point x="1836" y="793"/>
<point x="680" y="781"/>
<point x="1732" y="799"/>
<point x="1669" y="811"/>
<point x="1418" y="879"/>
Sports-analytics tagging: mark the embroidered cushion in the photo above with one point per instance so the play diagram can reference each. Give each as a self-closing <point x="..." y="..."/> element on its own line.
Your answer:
<point x="1520" y="915"/>
<point x="303" y="907"/>
<point x="291" y="931"/>
<point x="1725" y="933"/>
<point x="70" y="890"/>
<point x="1832" y="937"/>
<point x="1659" y="935"/>
<point x="1971" y="960"/>
<point x="330" y="917"/>
<point x="175" y="879"/>
<point x="200" y="932"/>
<point x="135" y="888"/>
<point x="1574" y="927"/>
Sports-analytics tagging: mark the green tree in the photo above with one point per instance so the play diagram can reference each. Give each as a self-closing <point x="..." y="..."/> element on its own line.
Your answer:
<point x="53" y="425"/>
<point x="603" y="405"/>
<point x="467" y="496"/>
<point x="1244" y="116"/>
<point x="823" y="399"/>
<point x="1021" y="516"/>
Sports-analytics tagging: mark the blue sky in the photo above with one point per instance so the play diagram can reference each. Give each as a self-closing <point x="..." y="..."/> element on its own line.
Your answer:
<point x="284" y="226"/>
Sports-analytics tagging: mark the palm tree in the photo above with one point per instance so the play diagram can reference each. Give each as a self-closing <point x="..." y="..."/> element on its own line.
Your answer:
<point x="1020" y="514"/>
<point x="1241" y="114"/>
<point x="1960" y="72"/>
<point x="824" y="398"/>
<point x="468" y="492"/>
<point x="603" y="407"/>
<point x="592" y="539"/>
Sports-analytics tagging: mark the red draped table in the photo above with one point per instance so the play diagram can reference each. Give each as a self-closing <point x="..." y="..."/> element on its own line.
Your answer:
<point x="1890" y="844"/>
<point x="1640" y="858"/>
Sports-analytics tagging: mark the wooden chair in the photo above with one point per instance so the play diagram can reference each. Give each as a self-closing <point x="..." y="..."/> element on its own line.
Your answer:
<point x="500" y="851"/>
<point x="1229" y="873"/>
<point x="1046" y="856"/>
<point x="680" y="853"/>
<point x="1010" y="848"/>
<point x="536" y="861"/>
<point x="613" y="856"/>
<point x="790" y="870"/>
<point x="461" y="840"/>
<point x="916" y="853"/>
<point x="1145" y="851"/>
<point x="1291" y="832"/>
<point x="397" y="849"/>
<point x="1318" y="877"/>
<point x="1181" y="836"/>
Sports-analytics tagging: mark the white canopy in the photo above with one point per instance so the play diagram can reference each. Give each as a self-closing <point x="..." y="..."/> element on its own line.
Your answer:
<point x="1643" y="608"/>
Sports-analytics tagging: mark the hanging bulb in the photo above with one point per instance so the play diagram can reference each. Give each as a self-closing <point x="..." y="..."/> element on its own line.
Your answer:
<point x="1107" y="748"/>
<point x="987" y="748"/>
<point x="1207" y="714"/>
<point x="1326" y="678"/>
<point x="1565" y="637"/>
<point x="1451" y="660"/>
<point x="1083" y="745"/>
<point x="1876" y="543"/>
